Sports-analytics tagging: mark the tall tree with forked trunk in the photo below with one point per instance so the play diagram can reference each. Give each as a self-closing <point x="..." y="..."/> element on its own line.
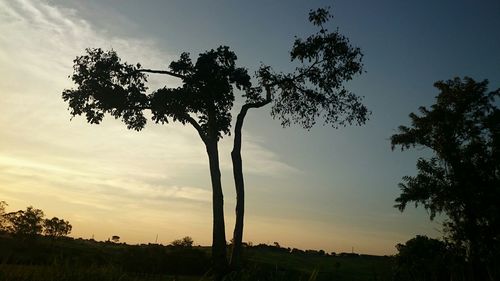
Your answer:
<point x="315" y="90"/>
<point x="105" y="85"/>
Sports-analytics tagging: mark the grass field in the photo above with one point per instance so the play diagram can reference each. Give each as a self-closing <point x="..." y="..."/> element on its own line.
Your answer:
<point x="80" y="260"/>
<point x="355" y="268"/>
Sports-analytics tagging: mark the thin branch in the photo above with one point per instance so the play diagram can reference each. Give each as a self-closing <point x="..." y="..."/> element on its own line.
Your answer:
<point x="196" y="126"/>
<point x="241" y="117"/>
<point x="186" y="117"/>
<point x="258" y="104"/>
<point x="297" y="76"/>
<point x="161" y="72"/>
<point x="316" y="61"/>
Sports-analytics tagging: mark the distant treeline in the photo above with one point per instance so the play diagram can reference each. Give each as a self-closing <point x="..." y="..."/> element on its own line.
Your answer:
<point x="276" y="247"/>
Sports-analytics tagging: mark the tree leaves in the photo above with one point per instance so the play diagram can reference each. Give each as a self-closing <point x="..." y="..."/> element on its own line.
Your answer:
<point x="315" y="89"/>
<point x="105" y="85"/>
<point x="462" y="179"/>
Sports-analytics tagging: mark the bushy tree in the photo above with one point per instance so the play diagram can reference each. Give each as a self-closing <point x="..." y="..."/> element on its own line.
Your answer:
<point x="56" y="227"/>
<point x="426" y="259"/>
<point x="185" y="242"/>
<point x="462" y="177"/>
<point x="26" y="223"/>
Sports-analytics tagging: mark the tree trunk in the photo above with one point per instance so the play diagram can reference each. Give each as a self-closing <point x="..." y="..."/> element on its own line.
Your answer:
<point x="219" y="256"/>
<point x="240" y="192"/>
<point x="239" y="183"/>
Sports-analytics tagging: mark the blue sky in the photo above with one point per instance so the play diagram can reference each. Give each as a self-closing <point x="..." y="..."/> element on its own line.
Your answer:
<point x="324" y="189"/>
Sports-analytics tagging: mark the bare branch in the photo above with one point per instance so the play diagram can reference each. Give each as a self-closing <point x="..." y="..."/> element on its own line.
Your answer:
<point x="161" y="72"/>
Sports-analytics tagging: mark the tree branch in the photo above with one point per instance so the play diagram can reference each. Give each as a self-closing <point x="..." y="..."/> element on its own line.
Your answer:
<point x="161" y="72"/>
<point x="196" y="126"/>
<point x="297" y="76"/>
<point x="186" y="117"/>
<point x="241" y="117"/>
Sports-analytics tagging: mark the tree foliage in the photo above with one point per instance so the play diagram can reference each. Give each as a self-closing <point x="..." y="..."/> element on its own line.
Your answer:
<point x="184" y="242"/>
<point x="31" y="222"/>
<point x="56" y="227"/>
<point x="422" y="258"/>
<point x="105" y="85"/>
<point x="462" y="178"/>
<point x="26" y="223"/>
<point x="315" y="89"/>
<point x="3" y="219"/>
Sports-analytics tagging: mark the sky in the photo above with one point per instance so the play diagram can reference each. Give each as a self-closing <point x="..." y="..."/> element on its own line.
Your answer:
<point x="326" y="188"/>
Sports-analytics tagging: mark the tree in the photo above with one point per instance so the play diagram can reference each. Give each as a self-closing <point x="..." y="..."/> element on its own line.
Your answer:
<point x="423" y="258"/>
<point x="105" y="85"/>
<point x="186" y="242"/>
<point x="56" y="227"/>
<point x="462" y="177"/>
<point x="115" y="238"/>
<point x="313" y="91"/>
<point x="3" y="219"/>
<point x="27" y="223"/>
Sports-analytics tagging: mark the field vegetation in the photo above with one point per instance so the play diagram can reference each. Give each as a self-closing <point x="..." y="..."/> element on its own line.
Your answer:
<point x="47" y="258"/>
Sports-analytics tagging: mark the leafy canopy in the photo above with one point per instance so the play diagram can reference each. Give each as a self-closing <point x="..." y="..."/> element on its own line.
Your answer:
<point x="315" y="89"/>
<point x="56" y="227"/>
<point x="26" y="223"/>
<point x="462" y="178"/>
<point x="106" y="85"/>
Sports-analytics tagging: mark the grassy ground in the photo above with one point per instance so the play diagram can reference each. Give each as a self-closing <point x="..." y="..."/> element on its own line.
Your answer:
<point x="353" y="268"/>
<point x="58" y="272"/>
<point x="82" y="260"/>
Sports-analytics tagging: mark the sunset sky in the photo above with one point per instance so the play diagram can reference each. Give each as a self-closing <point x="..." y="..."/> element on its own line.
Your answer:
<point x="319" y="189"/>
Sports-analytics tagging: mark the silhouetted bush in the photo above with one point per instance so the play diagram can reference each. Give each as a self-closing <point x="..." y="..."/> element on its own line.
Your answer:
<point x="423" y="258"/>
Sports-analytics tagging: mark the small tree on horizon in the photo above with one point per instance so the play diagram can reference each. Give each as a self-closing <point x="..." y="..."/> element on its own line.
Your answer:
<point x="56" y="227"/>
<point x="185" y="242"/>
<point x="3" y="219"/>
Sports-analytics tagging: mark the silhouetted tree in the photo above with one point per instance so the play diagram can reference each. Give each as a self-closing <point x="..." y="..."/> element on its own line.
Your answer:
<point x="26" y="223"/>
<point x="424" y="259"/>
<point x="313" y="91"/>
<point x="3" y="219"/>
<point x="462" y="178"/>
<point x="56" y="227"/>
<point x="106" y="85"/>
<point x="115" y="238"/>
<point x="185" y="242"/>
